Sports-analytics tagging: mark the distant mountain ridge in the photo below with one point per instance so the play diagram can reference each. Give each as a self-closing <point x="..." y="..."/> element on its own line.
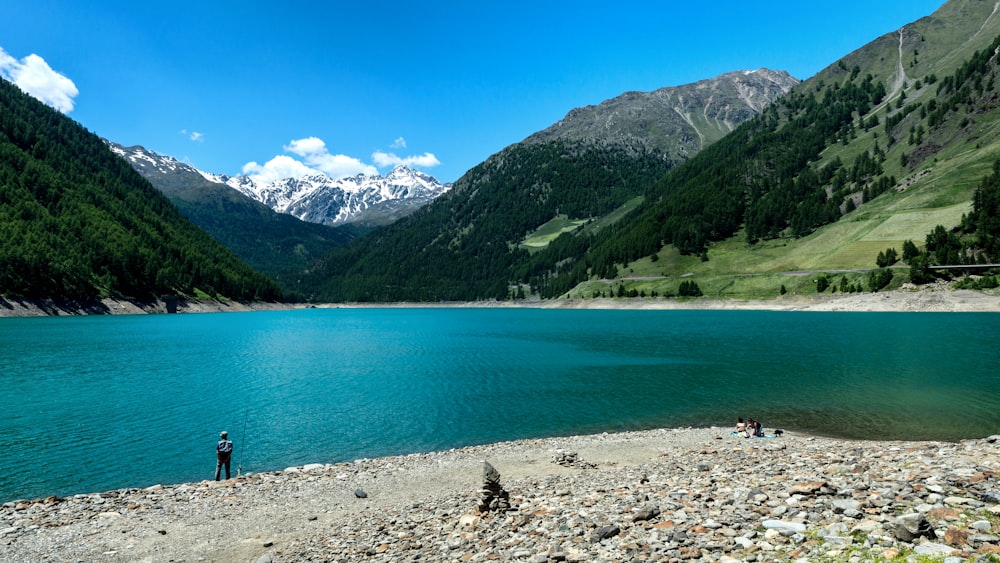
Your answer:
<point x="678" y="121"/>
<point x="273" y="243"/>
<point x="367" y="200"/>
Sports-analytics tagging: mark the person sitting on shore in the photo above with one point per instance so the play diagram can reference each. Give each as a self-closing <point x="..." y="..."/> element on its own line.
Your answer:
<point x="751" y="429"/>
<point x="758" y="430"/>
<point x="741" y="426"/>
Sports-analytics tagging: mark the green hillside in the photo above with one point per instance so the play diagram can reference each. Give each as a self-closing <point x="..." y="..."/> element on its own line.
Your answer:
<point x="466" y="243"/>
<point x="876" y="150"/>
<point x="77" y="222"/>
<point x="496" y="233"/>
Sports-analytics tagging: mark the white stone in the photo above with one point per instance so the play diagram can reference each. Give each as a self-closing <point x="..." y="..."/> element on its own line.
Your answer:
<point x="783" y="525"/>
<point x="931" y="548"/>
<point x="982" y="526"/>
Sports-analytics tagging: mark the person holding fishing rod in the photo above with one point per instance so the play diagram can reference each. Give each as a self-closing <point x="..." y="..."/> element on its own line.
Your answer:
<point x="223" y="454"/>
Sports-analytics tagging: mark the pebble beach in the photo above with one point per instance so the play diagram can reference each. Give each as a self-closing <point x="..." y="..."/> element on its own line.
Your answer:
<point x="660" y="495"/>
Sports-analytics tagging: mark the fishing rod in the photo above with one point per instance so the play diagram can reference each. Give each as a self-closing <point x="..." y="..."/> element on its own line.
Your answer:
<point x="243" y="442"/>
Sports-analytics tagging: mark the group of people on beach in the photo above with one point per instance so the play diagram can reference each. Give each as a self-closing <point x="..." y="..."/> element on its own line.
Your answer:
<point x="750" y="429"/>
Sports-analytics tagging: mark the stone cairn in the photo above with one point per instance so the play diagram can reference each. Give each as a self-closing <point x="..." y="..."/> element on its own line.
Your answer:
<point x="571" y="459"/>
<point x="495" y="498"/>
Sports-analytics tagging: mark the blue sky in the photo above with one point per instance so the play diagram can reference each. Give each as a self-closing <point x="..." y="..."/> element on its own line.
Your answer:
<point x="281" y="88"/>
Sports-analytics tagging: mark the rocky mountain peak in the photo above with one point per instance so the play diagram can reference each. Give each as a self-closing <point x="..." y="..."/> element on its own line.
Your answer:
<point x="678" y="121"/>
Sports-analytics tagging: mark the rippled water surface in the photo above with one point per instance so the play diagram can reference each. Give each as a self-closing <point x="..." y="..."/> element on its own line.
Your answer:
<point x="97" y="403"/>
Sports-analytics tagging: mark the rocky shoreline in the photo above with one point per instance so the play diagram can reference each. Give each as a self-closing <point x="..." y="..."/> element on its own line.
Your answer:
<point x="932" y="298"/>
<point x="660" y="495"/>
<point x="18" y="307"/>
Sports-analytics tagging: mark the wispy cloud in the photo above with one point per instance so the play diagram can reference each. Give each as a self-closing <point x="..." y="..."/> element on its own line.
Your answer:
<point x="35" y="77"/>
<point x="193" y="135"/>
<point x="425" y="160"/>
<point x="310" y="156"/>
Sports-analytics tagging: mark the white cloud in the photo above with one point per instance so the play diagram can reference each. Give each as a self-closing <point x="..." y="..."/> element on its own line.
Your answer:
<point x="399" y="143"/>
<point x="315" y="154"/>
<point x="307" y="147"/>
<point x="194" y="135"/>
<point x="281" y="166"/>
<point x="425" y="160"/>
<point x="310" y="157"/>
<point x="315" y="160"/>
<point x="35" y="77"/>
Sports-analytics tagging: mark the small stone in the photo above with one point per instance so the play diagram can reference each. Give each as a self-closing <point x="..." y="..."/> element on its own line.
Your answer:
<point x="981" y="526"/>
<point x="933" y="549"/>
<point x="807" y="487"/>
<point x="647" y="513"/>
<point x="605" y="532"/>
<point x="781" y="525"/>
<point x="842" y="505"/>
<point x="468" y="521"/>
<point x="360" y="493"/>
<point x="956" y="537"/>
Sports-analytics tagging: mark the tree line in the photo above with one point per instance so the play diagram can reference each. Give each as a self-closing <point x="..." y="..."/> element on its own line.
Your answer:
<point x="78" y="222"/>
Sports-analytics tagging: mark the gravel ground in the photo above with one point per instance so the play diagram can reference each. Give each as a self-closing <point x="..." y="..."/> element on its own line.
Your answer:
<point x="661" y="495"/>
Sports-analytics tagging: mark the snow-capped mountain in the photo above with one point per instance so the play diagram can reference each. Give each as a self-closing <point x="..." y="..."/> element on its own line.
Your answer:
<point x="361" y="199"/>
<point x="369" y="199"/>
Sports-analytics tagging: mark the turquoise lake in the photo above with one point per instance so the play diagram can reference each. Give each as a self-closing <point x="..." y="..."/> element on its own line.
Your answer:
<point x="98" y="403"/>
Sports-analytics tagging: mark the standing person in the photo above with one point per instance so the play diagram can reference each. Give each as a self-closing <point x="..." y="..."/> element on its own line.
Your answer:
<point x="223" y="454"/>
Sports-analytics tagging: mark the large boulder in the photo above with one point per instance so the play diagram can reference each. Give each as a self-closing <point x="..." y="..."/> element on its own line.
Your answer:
<point x="910" y="527"/>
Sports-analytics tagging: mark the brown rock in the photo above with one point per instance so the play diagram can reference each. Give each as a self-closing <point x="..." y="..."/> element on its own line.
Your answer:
<point x="943" y="514"/>
<point x="806" y="487"/>
<point x="956" y="537"/>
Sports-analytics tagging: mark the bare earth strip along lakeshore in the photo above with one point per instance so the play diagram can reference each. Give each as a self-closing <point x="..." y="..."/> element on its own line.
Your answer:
<point x="931" y="298"/>
<point x="660" y="495"/>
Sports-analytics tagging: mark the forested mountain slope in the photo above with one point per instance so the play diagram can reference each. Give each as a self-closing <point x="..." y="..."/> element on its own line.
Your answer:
<point x="276" y="244"/>
<point x="875" y="150"/>
<point x="480" y="240"/>
<point x="77" y="222"/>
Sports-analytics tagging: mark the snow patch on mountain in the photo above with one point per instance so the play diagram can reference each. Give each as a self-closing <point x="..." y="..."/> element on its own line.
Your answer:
<point x="368" y="199"/>
<point x="373" y="199"/>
